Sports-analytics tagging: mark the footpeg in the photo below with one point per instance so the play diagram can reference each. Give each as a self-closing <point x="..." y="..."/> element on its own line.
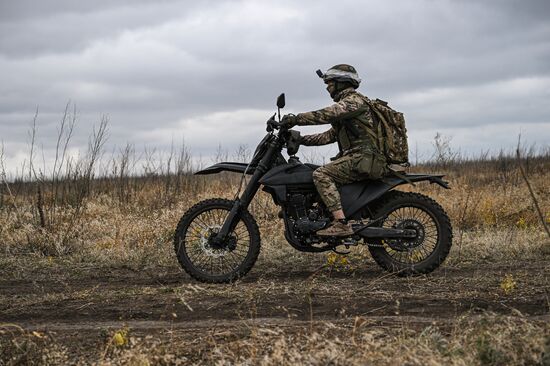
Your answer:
<point x="341" y="253"/>
<point x="349" y="242"/>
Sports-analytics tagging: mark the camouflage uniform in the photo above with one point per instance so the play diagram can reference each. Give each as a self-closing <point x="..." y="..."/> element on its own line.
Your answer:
<point x="352" y="127"/>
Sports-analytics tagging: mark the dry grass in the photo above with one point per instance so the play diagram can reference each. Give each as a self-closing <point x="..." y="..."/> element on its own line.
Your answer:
<point x="59" y="233"/>
<point x="487" y="339"/>
<point x="110" y="229"/>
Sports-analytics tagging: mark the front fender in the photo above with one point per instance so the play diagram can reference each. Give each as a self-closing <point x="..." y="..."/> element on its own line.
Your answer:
<point x="228" y="167"/>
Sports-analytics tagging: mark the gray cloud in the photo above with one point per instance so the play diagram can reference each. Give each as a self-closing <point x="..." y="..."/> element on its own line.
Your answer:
<point x="172" y="68"/>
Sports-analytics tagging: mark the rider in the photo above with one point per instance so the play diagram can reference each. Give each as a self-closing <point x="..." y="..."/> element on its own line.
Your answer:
<point x="353" y="129"/>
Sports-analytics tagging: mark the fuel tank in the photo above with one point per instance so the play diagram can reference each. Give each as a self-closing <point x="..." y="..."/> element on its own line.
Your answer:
<point x="290" y="175"/>
<point x="287" y="178"/>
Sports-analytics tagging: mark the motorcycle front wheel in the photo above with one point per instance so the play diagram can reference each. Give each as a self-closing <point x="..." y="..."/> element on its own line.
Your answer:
<point x="419" y="255"/>
<point x="208" y="261"/>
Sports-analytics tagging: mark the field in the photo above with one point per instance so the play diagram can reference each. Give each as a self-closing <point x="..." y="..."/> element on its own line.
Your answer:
<point x="88" y="275"/>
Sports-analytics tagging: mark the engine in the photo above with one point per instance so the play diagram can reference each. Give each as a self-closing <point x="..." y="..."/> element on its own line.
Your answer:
<point x="307" y="217"/>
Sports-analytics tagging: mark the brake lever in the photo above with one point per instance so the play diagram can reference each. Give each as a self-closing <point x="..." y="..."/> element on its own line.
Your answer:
<point x="272" y="124"/>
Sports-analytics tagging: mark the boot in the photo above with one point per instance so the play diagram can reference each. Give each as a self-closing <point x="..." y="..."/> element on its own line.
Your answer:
<point x="337" y="228"/>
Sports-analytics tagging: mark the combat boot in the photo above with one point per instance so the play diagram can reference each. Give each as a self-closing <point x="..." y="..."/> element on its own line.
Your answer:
<point x="337" y="228"/>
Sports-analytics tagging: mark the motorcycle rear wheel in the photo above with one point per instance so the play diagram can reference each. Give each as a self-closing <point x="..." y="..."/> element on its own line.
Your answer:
<point x="206" y="261"/>
<point x="426" y="252"/>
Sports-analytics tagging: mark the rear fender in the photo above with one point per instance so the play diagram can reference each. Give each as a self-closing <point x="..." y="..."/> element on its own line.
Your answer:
<point x="356" y="196"/>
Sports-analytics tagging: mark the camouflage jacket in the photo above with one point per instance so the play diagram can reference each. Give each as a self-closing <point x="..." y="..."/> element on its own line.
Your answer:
<point x="351" y="120"/>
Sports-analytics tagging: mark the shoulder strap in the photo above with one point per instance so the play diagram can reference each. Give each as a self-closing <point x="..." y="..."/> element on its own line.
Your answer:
<point x="379" y="124"/>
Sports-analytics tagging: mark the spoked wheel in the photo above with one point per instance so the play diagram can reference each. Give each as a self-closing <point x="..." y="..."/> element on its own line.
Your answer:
<point x="204" y="258"/>
<point x="433" y="240"/>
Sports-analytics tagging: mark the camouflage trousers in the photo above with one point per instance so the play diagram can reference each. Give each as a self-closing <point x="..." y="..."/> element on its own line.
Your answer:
<point x="346" y="169"/>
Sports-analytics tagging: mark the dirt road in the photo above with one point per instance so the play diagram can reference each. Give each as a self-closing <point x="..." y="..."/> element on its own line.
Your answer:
<point x="71" y="298"/>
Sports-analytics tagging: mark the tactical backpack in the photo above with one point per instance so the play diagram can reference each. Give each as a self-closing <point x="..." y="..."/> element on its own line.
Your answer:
<point x="390" y="132"/>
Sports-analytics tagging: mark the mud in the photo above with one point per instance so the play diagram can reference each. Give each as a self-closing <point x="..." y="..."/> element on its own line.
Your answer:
<point x="88" y="298"/>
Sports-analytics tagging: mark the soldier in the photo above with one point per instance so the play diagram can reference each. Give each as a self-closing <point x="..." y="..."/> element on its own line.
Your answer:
<point x="352" y="127"/>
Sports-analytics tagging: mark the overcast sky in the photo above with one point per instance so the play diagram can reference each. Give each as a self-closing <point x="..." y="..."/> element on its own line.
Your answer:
<point x="209" y="71"/>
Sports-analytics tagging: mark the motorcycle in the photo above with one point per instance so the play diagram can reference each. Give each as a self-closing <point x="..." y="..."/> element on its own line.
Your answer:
<point x="218" y="240"/>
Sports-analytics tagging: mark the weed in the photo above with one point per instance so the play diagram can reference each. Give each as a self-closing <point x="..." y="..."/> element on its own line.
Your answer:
<point x="508" y="284"/>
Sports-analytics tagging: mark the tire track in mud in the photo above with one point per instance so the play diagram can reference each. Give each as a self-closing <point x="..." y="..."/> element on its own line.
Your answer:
<point x="167" y="299"/>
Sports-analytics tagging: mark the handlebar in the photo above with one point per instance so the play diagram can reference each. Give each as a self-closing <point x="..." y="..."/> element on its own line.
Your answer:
<point x="274" y="125"/>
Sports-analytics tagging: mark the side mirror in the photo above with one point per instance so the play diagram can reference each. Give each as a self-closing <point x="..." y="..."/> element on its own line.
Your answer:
<point x="281" y="101"/>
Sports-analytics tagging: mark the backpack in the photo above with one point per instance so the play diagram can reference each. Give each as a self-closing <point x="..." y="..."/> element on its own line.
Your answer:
<point x="390" y="131"/>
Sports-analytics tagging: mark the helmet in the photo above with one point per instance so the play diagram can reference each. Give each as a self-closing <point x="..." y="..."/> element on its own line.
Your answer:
<point x="343" y="73"/>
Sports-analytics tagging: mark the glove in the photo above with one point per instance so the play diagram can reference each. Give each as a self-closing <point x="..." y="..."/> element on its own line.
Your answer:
<point x="293" y="142"/>
<point x="289" y="121"/>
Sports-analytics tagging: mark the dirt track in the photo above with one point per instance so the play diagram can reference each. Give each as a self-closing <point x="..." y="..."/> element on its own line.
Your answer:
<point x="88" y="299"/>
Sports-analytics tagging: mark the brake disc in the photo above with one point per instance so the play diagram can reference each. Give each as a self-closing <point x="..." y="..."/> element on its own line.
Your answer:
<point x="205" y="242"/>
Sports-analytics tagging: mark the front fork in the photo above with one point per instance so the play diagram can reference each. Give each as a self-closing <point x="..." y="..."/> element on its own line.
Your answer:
<point x="242" y="202"/>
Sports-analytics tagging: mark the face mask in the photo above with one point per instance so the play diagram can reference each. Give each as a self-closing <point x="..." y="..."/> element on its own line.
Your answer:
<point x="332" y="89"/>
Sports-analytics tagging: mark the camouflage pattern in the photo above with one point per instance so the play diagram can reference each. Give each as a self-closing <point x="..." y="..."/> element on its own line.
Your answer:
<point x="318" y="139"/>
<point x="342" y="72"/>
<point x="346" y="169"/>
<point x="350" y="129"/>
<point x="353" y="129"/>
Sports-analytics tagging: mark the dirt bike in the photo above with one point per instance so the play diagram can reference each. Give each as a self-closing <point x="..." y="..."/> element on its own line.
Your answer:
<point x="218" y="240"/>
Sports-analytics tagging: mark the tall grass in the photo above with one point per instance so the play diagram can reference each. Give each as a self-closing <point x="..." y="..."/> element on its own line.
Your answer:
<point x="130" y="199"/>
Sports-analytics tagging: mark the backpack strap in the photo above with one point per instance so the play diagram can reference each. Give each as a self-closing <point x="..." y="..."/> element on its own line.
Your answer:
<point x="379" y="120"/>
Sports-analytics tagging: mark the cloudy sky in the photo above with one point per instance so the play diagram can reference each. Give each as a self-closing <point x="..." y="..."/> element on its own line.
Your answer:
<point x="209" y="71"/>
